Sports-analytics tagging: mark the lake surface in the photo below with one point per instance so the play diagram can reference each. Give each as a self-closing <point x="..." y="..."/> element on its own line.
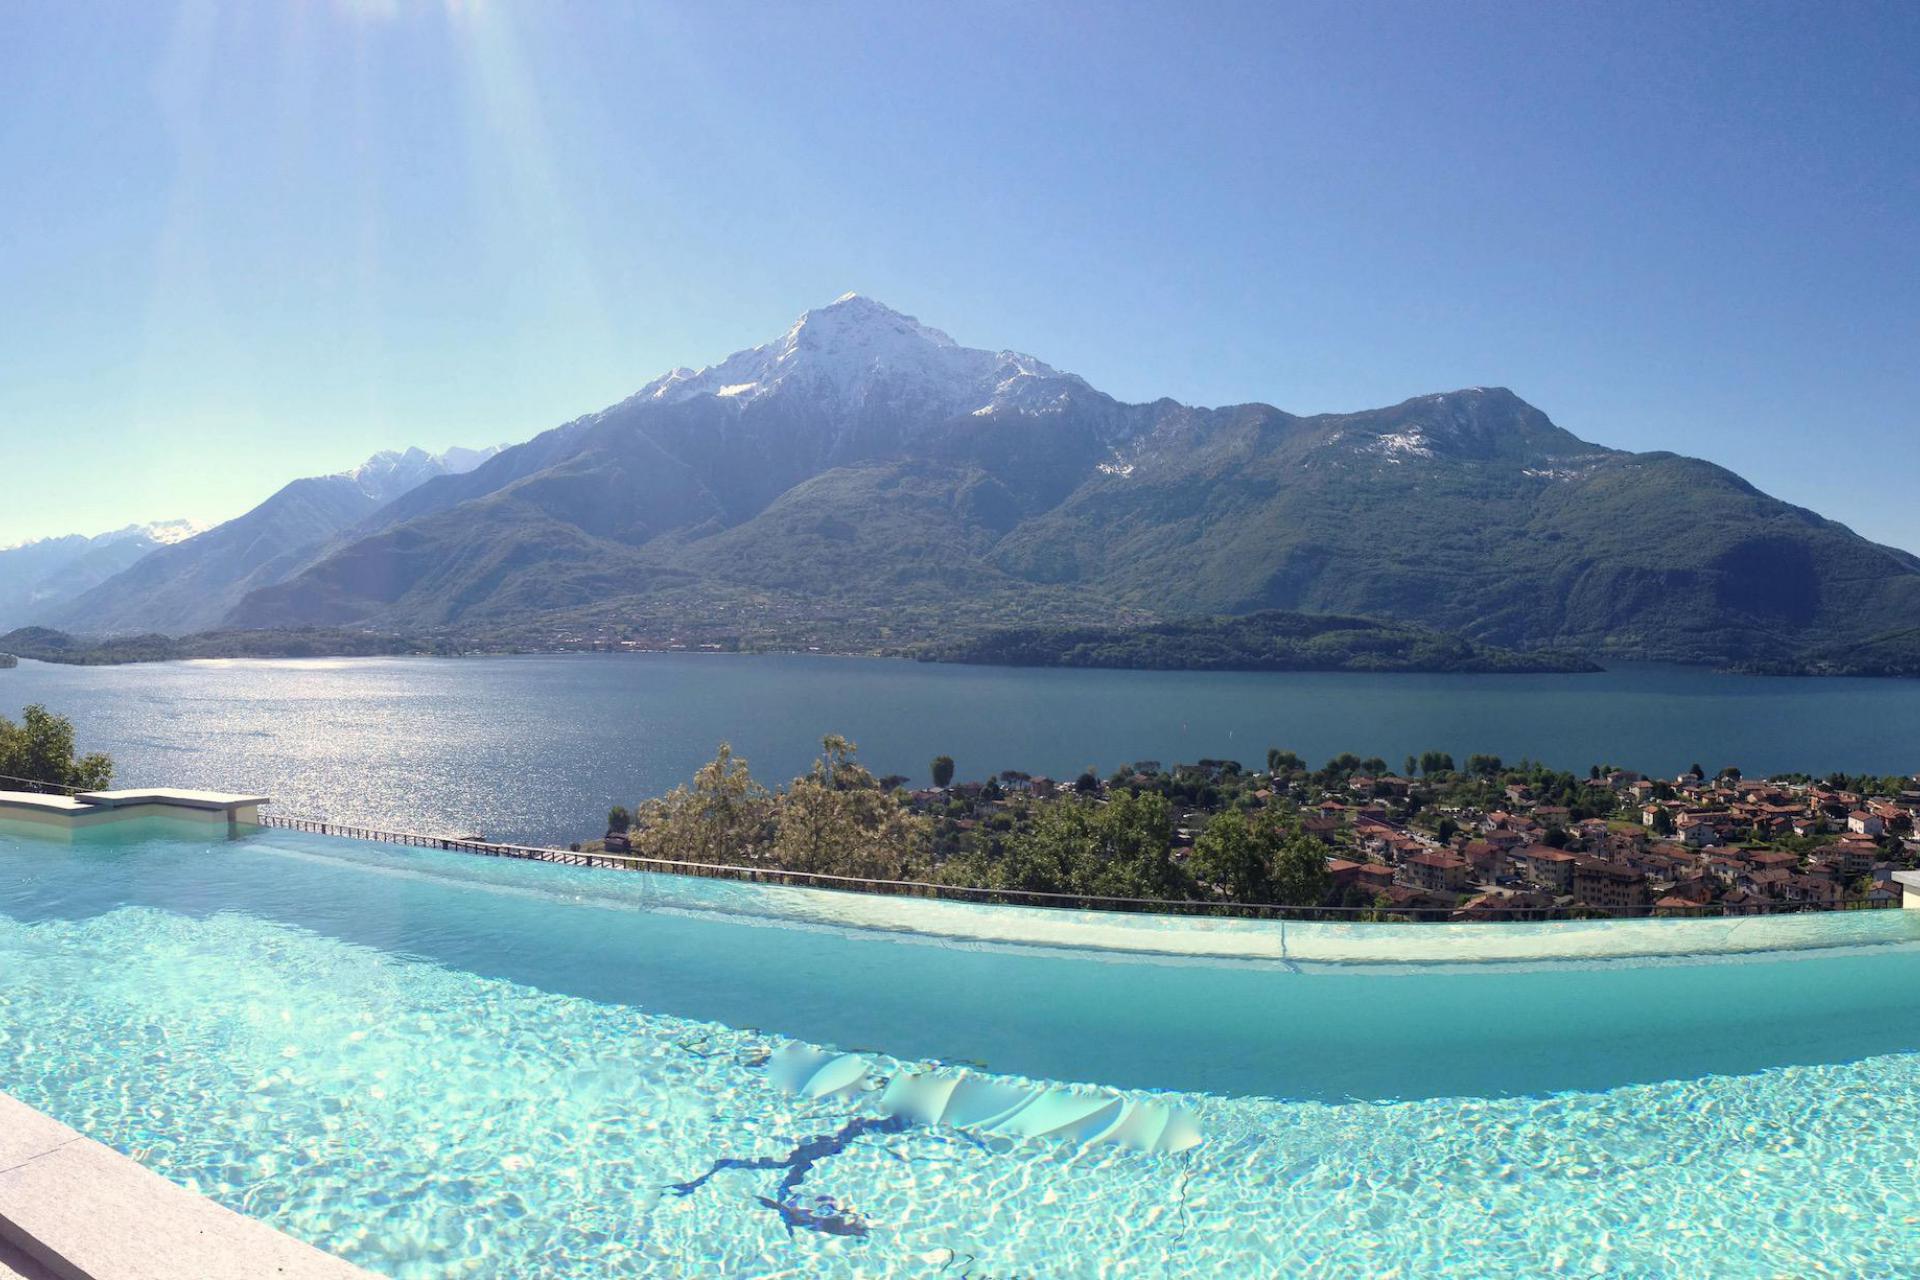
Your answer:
<point x="536" y="748"/>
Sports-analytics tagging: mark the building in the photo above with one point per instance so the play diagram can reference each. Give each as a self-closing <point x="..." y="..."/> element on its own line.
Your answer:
<point x="1551" y="869"/>
<point x="1437" y="872"/>
<point x="1608" y="884"/>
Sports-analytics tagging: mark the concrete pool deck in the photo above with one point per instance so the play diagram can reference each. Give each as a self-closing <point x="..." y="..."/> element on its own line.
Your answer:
<point x="74" y="1209"/>
<point x="60" y="817"/>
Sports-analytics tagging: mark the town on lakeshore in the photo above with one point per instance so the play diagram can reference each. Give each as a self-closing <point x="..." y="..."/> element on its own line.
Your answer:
<point x="1353" y="839"/>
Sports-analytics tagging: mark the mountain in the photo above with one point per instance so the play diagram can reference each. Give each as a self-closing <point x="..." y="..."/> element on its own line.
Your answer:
<point x="865" y="476"/>
<point x="43" y="575"/>
<point x="190" y="585"/>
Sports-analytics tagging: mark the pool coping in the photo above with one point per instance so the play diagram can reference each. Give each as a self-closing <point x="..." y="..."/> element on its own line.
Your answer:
<point x="68" y="816"/>
<point x="79" y="1210"/>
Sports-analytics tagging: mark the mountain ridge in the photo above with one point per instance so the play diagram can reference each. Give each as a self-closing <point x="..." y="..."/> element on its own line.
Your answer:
<point x="43" y="573"/>
<point x="191" y="584"/>
<point x="864" y="474"/>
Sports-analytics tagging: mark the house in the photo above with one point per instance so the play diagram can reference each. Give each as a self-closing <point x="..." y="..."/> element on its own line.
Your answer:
<point x="1521" y="904"/>
<point x="1727" y="870"/>
<point x="1436" y="872"/>
<point x="1487" y="860"/>
<point x="1377" y="876"/>
<point x="1322" y="829"/>
<point x="1849" y="861"/>
<point x="1606" y="884"/>
<point x="1551" y="869"/>
<point x="1343" y="872"/>
<point x="1770" y="883"/>
<point x="1813" y="891"/>
<point x="1402" y="897"/>
<point x="1861" y="822"/>
<point x="1695" y="829"/>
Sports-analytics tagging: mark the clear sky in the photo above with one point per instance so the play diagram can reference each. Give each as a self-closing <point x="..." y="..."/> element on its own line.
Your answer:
<point x="241" y="243"/>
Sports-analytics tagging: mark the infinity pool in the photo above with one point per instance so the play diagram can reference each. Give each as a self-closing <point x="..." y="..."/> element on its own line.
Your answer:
<point x="436" y="1065"/>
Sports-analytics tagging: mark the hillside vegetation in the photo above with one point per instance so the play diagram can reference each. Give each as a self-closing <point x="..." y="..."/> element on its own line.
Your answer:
<point x="44" y="645"/>
<point x="864" y="482"/>
<point x="1266" y="641"/>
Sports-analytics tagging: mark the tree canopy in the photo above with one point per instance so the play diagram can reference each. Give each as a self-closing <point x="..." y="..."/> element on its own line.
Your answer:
<point x="40" y="751"/>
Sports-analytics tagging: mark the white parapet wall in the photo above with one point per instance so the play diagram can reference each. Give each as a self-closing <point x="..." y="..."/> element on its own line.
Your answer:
<point x="1909" y="882"/>
<point x="65" y="817"/>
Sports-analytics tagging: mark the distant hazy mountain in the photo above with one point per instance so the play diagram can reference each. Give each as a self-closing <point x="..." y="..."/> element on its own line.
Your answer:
<point x="191" y="585"/>
<point x="42" y="575"/>
<point x="865" y="471"/>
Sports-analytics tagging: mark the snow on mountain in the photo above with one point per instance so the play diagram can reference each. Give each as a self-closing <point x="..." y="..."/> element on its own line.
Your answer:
<point x="857" y="354"/>
<point x="158" y="533"/>
<point x="168" y="532"/>
<point x="392" y="472"/>
<point x="46" y="572"/>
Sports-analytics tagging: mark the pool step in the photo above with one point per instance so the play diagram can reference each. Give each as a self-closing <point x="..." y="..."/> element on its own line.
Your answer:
<point x="980" y="1104"/>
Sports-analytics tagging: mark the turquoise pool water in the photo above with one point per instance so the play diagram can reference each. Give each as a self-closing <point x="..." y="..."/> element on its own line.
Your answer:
<point x="437" y="1065"/>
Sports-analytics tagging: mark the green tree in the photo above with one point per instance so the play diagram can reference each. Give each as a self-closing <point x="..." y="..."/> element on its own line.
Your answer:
<point x="619" y="818"/>
<point x="1341" y="767"/>
<point x="1132" y="855"/>
<point x="1300" y="876"/>
<point x="838" y="820"/>
<point x="723" y="817"/>
<point x="1048" y="854"/>
<point x="40" y="751"/>
<point x="1121" y="849"/>
<point x="1281" y="761"/>
<point x="942" y="771"/>
<point x="1237" y="855"/>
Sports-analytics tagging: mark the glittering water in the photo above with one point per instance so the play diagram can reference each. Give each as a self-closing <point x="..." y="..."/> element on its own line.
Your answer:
<point x="441" y="1066"/>
<point x="538" y="748"/>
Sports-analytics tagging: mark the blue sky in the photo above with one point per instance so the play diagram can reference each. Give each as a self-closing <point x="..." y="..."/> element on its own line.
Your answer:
<point x="240" y="243"/>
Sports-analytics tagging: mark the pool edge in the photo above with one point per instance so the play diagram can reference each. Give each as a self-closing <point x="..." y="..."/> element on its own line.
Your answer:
<point x="82" y="1211"/>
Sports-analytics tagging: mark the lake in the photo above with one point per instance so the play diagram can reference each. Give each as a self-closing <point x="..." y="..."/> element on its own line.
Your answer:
<point x="536" y="748"/>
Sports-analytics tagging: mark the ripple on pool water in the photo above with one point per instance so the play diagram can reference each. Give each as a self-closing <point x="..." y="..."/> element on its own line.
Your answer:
<point x="423" y="1121"/>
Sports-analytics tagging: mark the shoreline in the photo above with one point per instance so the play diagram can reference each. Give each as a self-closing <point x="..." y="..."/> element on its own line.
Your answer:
<point x="1602" y="664"/>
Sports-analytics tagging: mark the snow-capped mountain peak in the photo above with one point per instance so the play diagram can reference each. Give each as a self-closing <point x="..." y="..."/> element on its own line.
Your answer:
<point x="392" y="472"/>
<point x="855" y="354"/>
<point x="158" y="533"/>
<point x="168" y="532"/>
